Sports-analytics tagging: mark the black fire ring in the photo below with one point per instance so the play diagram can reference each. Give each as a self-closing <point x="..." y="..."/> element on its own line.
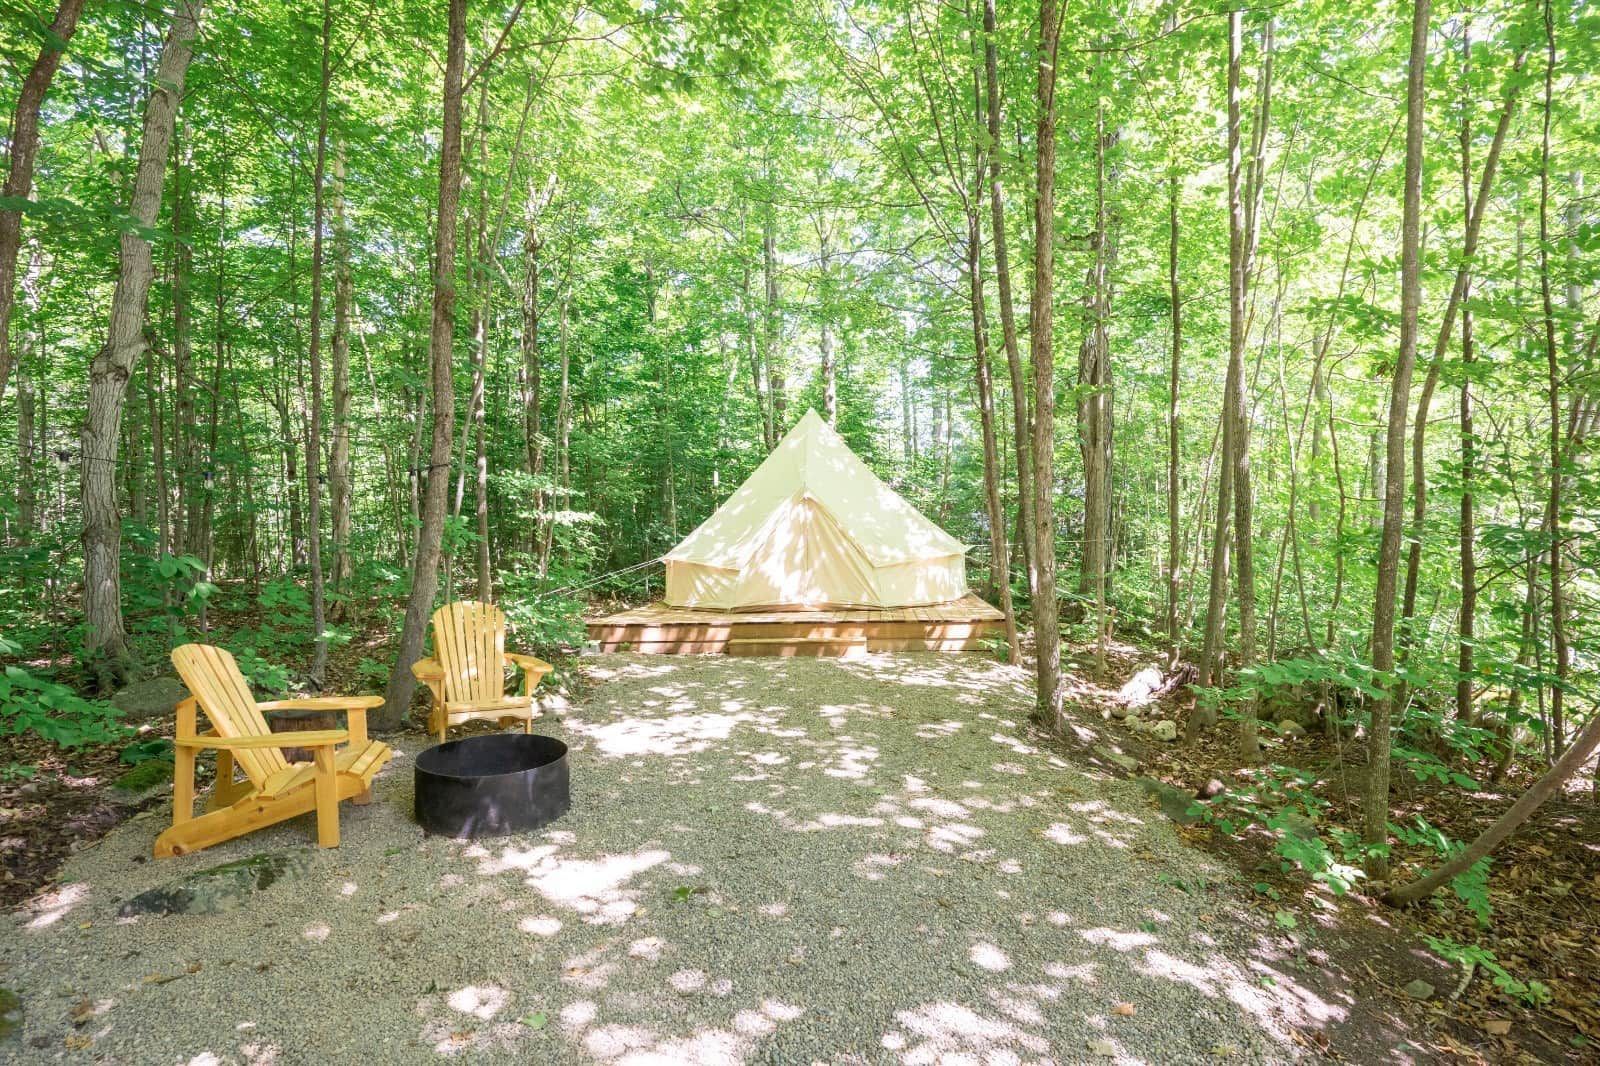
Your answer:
<point x="492" y="785"/>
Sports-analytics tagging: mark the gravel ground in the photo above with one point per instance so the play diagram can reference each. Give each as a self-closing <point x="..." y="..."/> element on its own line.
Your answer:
<point x="775" y="861"/>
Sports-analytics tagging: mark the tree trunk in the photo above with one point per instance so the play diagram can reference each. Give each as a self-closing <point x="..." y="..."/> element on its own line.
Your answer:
<point x="1094" y="409"/>
<point x="1570" y="762"/>
<point x="106" y="640"/>
<point x="339" y="488"/>
<point x="480" y="337"/>
<point x="1553" y="507"/>
<point x="1376" y="803"/>
<point x="1174" y="504"/>
<point x="23" y="145"/>
<point x="1236" y="413"/>
<point x="1021" y="420"/>
<point x="1041" y="341"/>
<point x="425" y="574"/>
<point x="1477" y="208"/>
<point x="776" y="379"/>
<point x="999" y="568"/>
<point x="315" y="477"/>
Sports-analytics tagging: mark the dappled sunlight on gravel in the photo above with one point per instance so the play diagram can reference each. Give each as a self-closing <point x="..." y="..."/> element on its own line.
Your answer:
<point x="871" y="860"/>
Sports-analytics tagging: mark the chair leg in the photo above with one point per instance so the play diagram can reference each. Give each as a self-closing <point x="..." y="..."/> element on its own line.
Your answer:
<point x="183" y="785"/>
<point x="327" y="785"/>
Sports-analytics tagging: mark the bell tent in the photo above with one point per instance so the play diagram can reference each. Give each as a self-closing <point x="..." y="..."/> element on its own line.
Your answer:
<point x="814" y="528"/>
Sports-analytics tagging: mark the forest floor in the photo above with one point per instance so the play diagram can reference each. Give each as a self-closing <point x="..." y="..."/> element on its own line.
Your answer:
<point x="782" y="860"/>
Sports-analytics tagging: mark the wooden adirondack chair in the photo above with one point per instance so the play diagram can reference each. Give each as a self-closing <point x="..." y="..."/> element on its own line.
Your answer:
<point x="274" y="789"/>
<point x="466" y="675"/>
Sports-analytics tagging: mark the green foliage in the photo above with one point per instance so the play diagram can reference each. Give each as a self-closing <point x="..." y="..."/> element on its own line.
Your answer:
<point x="1528" y="993"/>
<point x="30" y="704"/>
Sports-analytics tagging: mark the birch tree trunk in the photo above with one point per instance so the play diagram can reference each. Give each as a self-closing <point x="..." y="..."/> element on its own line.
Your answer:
<point x="339" y="488"/>
<point x="106" y="640"/>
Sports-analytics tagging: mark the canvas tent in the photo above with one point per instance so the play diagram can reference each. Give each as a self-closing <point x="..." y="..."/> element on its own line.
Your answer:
<point x="813" y="527"/>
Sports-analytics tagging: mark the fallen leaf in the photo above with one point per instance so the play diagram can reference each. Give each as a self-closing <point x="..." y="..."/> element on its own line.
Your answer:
<point x="1126" y="1010"/>
<point x="1497" y="1026"/>
<point x="537" y="1020"/>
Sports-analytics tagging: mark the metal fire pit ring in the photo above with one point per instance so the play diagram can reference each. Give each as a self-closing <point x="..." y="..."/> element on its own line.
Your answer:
<point x="492" y="785"/>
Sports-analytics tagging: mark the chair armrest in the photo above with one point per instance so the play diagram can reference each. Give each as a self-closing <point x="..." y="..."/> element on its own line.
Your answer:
<point x="323" y="703"/>
<point x="529" y="662"/>
<point x="427" y="670"/>
<point x="307" y="738"/>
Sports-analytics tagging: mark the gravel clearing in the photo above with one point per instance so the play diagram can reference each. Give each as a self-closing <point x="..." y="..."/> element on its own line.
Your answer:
<point x="767" y="860"/>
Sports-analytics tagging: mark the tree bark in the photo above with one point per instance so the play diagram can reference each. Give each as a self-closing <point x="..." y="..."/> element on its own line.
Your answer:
<point x="339" y="488"/>
<point x="1041" y="342"/>
<point x="315" y="475"/>
<point x="1476" y="210"/>
<point x="106" y="640"/>
<point x="1174" y="504"/>
<point x="1376" y="802"/>
<point x="1553" y="507"/>
<point x="1236" y="419"/>
<point x="425" y="573"/>
<point x="1094" y="409"/>
<point x="1021" y="419"/>
<point x="23" y="145"/>
<point x="1570" y="762"/>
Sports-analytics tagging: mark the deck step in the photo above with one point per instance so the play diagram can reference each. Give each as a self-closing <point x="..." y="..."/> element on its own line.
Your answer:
<point x="815" y="647"/>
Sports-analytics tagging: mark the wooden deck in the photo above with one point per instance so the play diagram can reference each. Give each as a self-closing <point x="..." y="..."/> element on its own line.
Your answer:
<point x="960" y="625"/>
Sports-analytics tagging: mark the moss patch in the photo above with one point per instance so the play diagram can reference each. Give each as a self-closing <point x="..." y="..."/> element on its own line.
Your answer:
<point x="146" y="775"/>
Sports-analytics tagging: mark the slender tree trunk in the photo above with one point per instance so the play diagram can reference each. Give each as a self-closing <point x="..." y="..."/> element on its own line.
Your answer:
<point x="563" y="429"/>
<point x="106" y="640"/>
<point x="1467" y="618"/>
<point x="315" y="477"/>
<point x="1174" y="439"/>
<point x="1553" y="508"/>
<point x="1236" y="420"/>
<point x="532" y="429"/>
<point x="1570" y="762"/>
<point x="480" y="329"/>
<point x="339" y="488"/>
<point x="1376" y="804"/>
<point x="999" y="570"/>
<point x="1021" y="420"/>
<point x="425" y="575"/>
<point x="1094" y="410"/>
<point x="776" y="383"/>
<point x="1041" y="341"/>
<point x="23" y="146"/>
<point x="1476" y="210"/>
<point x="27" y="406"/>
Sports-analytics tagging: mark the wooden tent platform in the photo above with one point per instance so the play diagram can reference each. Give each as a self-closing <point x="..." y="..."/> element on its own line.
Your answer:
<point x="957" y="626"/>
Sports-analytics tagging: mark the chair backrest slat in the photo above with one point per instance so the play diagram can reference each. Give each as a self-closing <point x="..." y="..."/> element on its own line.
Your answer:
<point x="213" y="676"/>
<point x="469" y="640"/>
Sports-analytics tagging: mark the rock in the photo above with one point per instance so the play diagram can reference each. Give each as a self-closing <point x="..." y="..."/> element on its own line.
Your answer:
<point x="1118" y="710"/>
<point x="1175" y="802"/>
<point x="147" y="700"/>
<point x="1212" y="788"/>
<point x="1127" y="762"/>
<point x="145" y="778"/>
<point x="1165" y="729"/>
<point x="219" y="888"/>
<point x="1140" y="689"/>
<point x="1290" y="728"/>
<point x="1419" y="989"/>
<point x="1103" y="1049"/>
